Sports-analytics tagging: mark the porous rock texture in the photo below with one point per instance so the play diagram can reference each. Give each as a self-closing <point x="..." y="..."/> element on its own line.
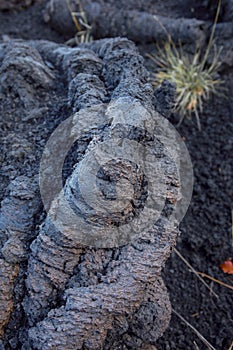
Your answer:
<point x="57" y="293"/>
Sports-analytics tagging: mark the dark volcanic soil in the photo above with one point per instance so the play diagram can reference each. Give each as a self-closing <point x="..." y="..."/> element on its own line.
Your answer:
<point x="205" y="239"/>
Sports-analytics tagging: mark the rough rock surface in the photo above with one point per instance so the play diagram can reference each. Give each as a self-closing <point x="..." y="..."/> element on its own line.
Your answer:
<point x="67" y="295"/>
<point x="7" y="273"/>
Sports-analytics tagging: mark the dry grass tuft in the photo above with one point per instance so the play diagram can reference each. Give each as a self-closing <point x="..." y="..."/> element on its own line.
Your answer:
<point x="194" y="80"/>
<point x="83" y="34"/>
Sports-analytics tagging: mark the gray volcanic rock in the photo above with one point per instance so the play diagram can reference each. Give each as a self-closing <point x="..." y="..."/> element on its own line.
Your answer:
<point x="147" y="22"/>
<point x="70" y="291"/>
<point x="109" y="20"/>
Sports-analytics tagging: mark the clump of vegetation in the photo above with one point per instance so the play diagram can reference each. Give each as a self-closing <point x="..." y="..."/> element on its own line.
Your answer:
<point x="194" y="80"/>
<point x="83" y="34"/>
